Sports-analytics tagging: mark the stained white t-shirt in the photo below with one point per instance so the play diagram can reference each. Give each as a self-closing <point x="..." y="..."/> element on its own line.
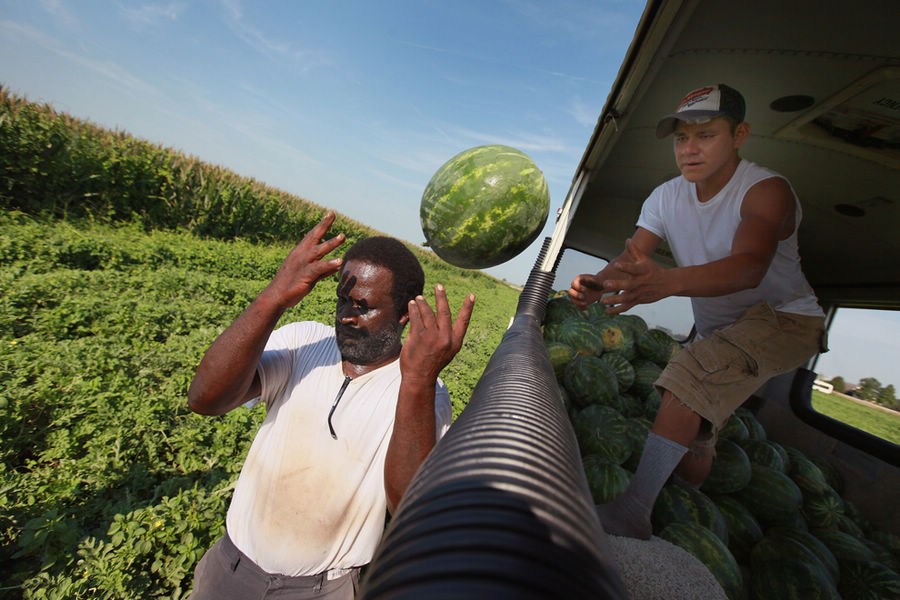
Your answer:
<point x="305" y="502"/>
<point x="701" y="232"/>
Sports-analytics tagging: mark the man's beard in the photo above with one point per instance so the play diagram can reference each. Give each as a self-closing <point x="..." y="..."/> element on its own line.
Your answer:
<point x="360" y="347"/>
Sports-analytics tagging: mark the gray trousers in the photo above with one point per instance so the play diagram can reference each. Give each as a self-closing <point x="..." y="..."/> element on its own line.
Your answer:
<point x="225" y="573"/>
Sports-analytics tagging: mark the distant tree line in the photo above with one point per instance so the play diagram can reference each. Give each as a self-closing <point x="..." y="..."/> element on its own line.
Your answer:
<point x="869" y="388"/>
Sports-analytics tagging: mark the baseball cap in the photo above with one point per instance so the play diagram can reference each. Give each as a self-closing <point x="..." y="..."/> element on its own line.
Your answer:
<point x="702" y="105"/>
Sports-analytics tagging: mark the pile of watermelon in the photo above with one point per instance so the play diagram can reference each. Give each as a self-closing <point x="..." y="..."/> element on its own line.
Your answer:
<point x="769" y="522"/>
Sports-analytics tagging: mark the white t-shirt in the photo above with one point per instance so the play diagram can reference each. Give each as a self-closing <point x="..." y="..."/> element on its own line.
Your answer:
<point x="305" y="502"/>
<point x="701" y="232"/>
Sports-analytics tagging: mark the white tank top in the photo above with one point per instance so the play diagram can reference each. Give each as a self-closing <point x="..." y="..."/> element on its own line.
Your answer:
<point x="305" y="502"/>
<point x="701" y="232"/>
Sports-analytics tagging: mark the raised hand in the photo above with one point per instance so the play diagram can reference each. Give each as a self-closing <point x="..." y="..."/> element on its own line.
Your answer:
<point x="305" y="266"/>
<point x="226" y="376"/>
<point x="433" y="339"/>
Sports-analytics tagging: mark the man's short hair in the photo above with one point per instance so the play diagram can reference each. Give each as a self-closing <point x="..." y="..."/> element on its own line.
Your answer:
<point x="392" y="254"/>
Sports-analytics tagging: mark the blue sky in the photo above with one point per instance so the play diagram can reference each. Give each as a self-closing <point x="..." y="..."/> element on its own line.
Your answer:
<point x="350" y="104"/>
<point x="354" y="104"/>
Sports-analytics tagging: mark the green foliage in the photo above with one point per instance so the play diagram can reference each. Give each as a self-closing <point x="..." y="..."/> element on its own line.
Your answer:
<point x="52" y="164"/>
<point x="120" y="262"/>
<point x="887" y="396"/>
<point x="839" y="384"/>
<point x="875" y="420"/>
<point x="868" y="389"/>
<point x="107" y="481"/>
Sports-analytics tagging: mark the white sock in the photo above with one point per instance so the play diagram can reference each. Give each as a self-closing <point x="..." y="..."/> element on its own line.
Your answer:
<point x="660" y="457"/>
<point x="629" y="514"/>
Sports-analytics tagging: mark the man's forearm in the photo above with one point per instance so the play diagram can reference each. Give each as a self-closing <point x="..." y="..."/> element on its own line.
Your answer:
<point x="718" y="278"/>
<point x="412" y="439"/>
<point x="225" y="377"/>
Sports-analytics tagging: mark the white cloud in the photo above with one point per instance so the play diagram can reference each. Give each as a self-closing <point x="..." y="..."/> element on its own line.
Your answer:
<point x="415" y="186"/>
<point x="270" y="47"/>
<point x="524" y="141"/>
<point x="152" y="13"/>
<point x="583" y="113"/>
<point x="60" y="12"/>
<point x="597" y="21"/>
<point x="109" y="70"/>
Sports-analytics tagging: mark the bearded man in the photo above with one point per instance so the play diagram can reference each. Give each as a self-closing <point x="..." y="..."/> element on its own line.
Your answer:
<point x="352" y="411"/>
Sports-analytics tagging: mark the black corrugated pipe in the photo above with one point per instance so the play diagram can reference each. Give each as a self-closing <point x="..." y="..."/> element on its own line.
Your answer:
<point x="501" y="508"/>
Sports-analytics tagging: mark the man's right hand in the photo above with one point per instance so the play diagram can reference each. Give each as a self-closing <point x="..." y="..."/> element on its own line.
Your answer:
<point x="305" y="266"/>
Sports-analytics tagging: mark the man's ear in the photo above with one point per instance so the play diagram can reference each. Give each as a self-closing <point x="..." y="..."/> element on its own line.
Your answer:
<point x="741" y="133"/>
<point x="404" y="318"/>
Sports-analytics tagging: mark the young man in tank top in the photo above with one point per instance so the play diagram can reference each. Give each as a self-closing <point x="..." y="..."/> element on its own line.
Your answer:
<point x="732" y="228"/>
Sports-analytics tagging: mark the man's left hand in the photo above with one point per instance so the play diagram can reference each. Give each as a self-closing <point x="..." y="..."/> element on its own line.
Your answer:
<point x="433" y="339"/>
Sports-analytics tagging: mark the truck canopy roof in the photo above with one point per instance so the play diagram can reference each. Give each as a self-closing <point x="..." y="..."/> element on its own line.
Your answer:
<point x="822" y="86"/>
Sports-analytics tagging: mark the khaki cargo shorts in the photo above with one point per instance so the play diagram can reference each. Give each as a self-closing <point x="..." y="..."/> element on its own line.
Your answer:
<point x="715" y="375"/>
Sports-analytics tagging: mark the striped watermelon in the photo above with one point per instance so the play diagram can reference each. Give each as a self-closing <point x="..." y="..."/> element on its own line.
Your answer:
<point x="772" y="497"/>
<point x="549" y="331"/>
<point x="596" y="313"/>
<point x="852" y="512"/>
<point x="806" y="473"/>
<point x="606" y="479"/>
<point x="830" y="471"/>
<point x="790" y="579"/>
<point x="631" y="406"/>
<point x="484" y="206"/>
<point x="868" y="580"/>
<point x="560" y="308"/>
<point x="754" y="427"/>
<point x="848" y="525"/>
<point x="888" y="541"/>
<point x="590" y="381"/>
<point x="709" y="550"/>
<point x="682" y="503"/>
<point x="744" y="531"/>
<point x="791" y="541"/>
<point x="560" y="355"/>
<point x="764" y="452"/>
<point x="580" y="335"/>
<point x="638" y="428"/>
<point x="734" y="429"/>
<point x="730" y="469"/>
<point x="824" y="511"/>
<point x="635" y="323"/>
<point x="774" y="548"/>
<point x="651" y="403"/>
<point x="658" y="346"/>
<point x="617" y="339"/>
<point x="845" y="547"/>
<point x="621" y="367"/>
<point x="603" y="431"/>
<point x="645" y="374"/>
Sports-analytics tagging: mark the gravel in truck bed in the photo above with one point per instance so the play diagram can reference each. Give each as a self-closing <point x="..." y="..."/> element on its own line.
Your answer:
<point x="655" y="569"/>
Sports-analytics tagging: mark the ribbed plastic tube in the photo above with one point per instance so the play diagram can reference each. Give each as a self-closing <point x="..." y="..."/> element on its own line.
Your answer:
<point x="501" y="508"/>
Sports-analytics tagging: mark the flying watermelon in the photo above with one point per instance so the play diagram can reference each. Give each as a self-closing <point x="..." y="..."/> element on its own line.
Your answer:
<point x="484" y="206"/>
